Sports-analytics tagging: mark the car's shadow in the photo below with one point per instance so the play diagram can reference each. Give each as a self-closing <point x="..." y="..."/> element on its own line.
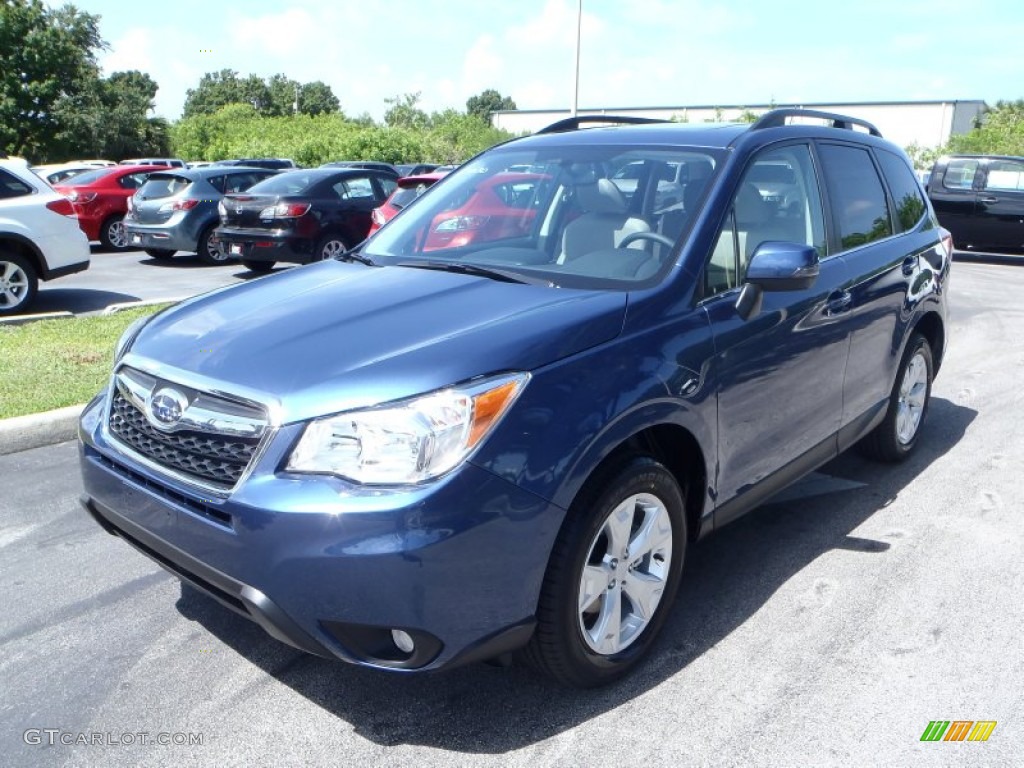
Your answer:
<point x="727" y="579"/>
<point x="77" y="300"/>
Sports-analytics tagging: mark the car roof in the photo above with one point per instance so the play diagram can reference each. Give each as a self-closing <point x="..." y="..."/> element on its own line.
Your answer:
<point x="207" y="171"/>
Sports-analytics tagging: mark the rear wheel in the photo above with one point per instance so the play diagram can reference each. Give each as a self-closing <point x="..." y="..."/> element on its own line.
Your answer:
<point x="613" y="576"/>
<point x="895" y="438"/>
<point x="18" y="283"/>
<point x="329" y="247"/>
<point x="208" y="250"/>
<point x="258" y="266"/>
<point x="160" y="253"/>
<point x="113" y="235"/>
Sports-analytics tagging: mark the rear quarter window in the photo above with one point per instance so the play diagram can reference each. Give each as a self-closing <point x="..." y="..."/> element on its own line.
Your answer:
<point x="162" y="185"/>
<point x="906" y="192"/>
<point x="12" y="186"/>
<point x="960" y="174"/>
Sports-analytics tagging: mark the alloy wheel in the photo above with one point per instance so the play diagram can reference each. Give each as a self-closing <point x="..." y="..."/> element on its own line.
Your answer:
<point x="913" y="390"/>
<point x="14" y="285"/>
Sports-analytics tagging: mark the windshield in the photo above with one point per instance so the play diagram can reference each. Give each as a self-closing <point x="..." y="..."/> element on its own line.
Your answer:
<point x="287" y="183"/>
<point x="592" y="216"/>
<point x="88" y="177"/>
<point x="162" y="185"/>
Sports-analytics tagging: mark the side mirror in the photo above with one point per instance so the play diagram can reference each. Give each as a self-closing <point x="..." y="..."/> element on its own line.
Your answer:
<point x="776" y="266"/>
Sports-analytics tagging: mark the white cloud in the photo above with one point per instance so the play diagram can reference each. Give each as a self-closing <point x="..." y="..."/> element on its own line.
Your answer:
<point x="133" y="50"/>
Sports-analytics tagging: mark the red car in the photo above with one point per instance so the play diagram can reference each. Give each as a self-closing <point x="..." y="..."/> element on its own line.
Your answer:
<point x="501" y="208"/>
<point x="100" y="200"/>
<point x="408" y="189"/>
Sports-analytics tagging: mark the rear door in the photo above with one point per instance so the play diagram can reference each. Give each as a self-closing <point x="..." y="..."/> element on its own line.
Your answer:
<point x="354" y="198"/>
<point x="1000" y="209"/>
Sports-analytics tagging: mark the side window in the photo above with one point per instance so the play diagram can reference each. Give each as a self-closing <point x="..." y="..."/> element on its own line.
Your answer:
<point x="1005" y="176"/>
<point x="217" y="182"/>
<point x="777" y="199"/>
<point x="237" y="182"/>
<point x="355" y="188"/>
<point x="960" y="174"/>
<point x="857" y="195"/>
<point x="387" y="185"/>
<point x="12" y="186"/>
<point x="906" y="192"/>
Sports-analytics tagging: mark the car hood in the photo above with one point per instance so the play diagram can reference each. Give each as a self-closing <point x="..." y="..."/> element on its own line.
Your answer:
<point x="333" y="336"/>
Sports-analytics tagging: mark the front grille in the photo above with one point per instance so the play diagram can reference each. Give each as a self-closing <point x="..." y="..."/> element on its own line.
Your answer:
<point x="208" y="457"/>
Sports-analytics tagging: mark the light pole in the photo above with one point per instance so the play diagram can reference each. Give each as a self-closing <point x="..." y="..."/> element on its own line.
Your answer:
<point x="576" y="77"/>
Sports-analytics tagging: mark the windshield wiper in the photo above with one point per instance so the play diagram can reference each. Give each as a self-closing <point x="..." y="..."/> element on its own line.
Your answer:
<point x="356" y="256"/>
<point x="501" y="275"/>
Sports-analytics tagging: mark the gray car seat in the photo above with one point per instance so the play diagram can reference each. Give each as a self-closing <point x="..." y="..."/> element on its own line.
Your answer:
<point x="604" y="223"/>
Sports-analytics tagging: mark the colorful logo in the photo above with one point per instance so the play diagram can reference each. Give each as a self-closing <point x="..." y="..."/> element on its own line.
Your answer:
<point x="958" y="730"/>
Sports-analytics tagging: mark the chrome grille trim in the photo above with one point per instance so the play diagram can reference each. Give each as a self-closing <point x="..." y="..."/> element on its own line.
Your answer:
<point x="242" y="425"/>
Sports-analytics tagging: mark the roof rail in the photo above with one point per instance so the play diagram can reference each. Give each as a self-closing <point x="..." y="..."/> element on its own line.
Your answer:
<point x="777" y="118"/>
<point x="575" y="123"/>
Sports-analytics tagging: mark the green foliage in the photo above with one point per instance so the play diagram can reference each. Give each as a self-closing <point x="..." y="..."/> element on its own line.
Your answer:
<point x="923" y="158"/>
<point x="238" y="130"/>
<point x="486" y="102"/>
<point x="748" y="116"/>
<point x="47" y="64"/>
<point x="274" y="97"/>
<point x="1000" y="132"/>
<point x="405" y="112"/>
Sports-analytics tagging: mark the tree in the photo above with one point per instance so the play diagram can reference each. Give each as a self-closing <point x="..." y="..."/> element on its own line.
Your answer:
<point x="283" y="93"/>
<point x="1000" y="131"/>
<point x="405" y="112"/>
<point x="47" y="62"/>
<point x="483" y="104"/>
<point x="215" y="90"/>
<point x="317" y="98"/>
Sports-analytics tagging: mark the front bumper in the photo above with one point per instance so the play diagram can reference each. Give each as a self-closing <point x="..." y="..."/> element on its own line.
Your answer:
<point x="332" y="569"/>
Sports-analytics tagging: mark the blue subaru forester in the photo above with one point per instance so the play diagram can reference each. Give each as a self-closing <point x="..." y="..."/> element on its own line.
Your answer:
<point x="498" y="424"/>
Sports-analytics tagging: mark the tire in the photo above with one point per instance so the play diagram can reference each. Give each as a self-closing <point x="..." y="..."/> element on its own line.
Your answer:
<point x="207" y="253"/>
<point x="570" y="643"/>
<point x="18" y="283"/>
<point x="162" y="254"/>
<point x="895" y="438"/>
<point x="329" y="247"/>
<point x="260" y="267"/>
<point x="112" y="234"/>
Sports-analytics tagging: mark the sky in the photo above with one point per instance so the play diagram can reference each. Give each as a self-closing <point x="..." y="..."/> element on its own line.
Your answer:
<point x="632" y="53"/>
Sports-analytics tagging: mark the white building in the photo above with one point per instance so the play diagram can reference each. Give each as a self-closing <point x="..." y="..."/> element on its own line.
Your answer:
<point x="928" y="124"/>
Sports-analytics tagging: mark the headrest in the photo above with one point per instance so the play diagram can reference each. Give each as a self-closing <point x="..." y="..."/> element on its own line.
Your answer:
<point x="699" y="170"/>
<point x="750" y="206"/>
<point x="601" y="197"/>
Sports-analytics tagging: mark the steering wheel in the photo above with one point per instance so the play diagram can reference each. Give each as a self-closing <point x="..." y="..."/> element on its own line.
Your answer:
<point x="633" y="237"/>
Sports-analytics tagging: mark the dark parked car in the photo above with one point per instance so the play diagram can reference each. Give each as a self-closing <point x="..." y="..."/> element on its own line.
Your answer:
<point x="410" y="459"/>
<point x="275" y="163"/>
<point x="370" y="165"/>
<point x="980" y="199"/>
<point x="176" y="210"/>
<point x="301" y="216"/>
<point x="415" y="169"/>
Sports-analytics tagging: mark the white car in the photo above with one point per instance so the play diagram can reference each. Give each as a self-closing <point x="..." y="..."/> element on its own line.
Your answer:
<point x="39" y="236"/>
<point x="56" y="174"/>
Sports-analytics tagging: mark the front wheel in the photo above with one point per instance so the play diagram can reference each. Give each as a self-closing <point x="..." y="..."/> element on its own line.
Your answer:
<point x="613" y="576"/>
<point x="113" y="235"/>
<point x="329" y="247"/>
<point x="895" y="438"/>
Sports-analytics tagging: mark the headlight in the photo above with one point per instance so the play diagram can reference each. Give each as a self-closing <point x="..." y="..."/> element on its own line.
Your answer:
<point x="408" y="441"/>
<point x="129" y="336"/>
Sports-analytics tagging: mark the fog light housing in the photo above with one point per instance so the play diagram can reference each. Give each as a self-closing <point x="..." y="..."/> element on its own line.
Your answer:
<point x="403" y="641"/>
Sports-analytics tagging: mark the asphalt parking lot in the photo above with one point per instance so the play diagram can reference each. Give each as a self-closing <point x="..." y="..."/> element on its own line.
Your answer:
<point x="826" y="628"/>
<point x="114" y="278"/>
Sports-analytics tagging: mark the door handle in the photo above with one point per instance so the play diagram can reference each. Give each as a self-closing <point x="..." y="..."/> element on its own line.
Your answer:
<point x="988" y="199"/>
<point x="838" y="303"/>
<point x="909" y="266"/>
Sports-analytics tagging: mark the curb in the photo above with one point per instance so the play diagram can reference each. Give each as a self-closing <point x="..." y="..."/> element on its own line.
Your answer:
<point x="38" y="429"/>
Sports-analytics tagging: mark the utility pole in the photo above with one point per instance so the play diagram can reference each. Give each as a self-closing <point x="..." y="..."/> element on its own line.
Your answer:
<point x="576" y="77"/>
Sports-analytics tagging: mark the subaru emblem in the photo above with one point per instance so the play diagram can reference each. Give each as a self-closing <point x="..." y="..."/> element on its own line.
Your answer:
<point x="165" y="408"/>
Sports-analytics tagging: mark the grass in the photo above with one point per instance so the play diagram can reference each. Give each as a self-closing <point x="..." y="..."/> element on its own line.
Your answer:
<point x="50" y="364"/>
